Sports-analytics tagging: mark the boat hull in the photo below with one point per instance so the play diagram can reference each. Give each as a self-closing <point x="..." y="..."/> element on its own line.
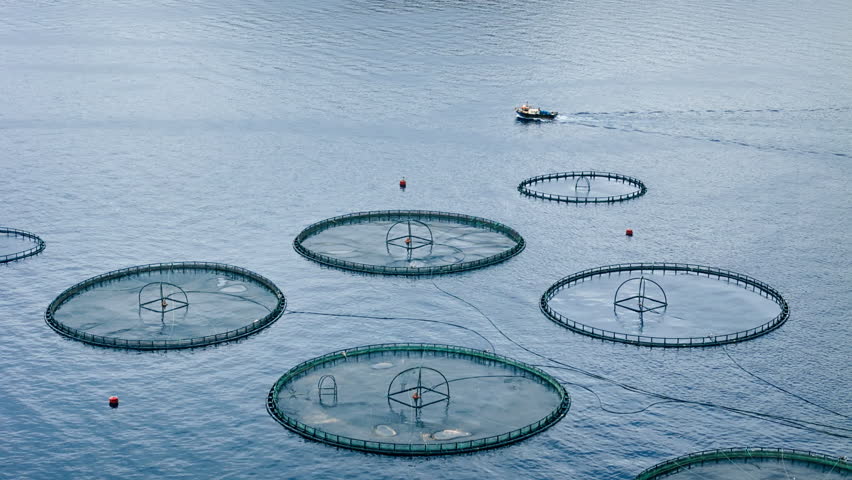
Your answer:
<point x="537" y="116"/>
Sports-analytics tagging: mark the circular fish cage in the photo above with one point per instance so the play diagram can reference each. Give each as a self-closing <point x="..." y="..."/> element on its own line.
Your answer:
<point x="17" y="244"/>
<point x="416" y="399"/>
<point x="166" y="306"/>
<point x="665" y="305"/>
<point x="583" y="187"/>
<point x="750" y="464"/>
<point x="408" y="242"/>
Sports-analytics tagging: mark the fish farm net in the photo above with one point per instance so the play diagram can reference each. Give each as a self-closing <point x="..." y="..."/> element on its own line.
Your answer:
<point x="408" y="242"/>
<point x="751" y="464"/>
<point x="166" y="305"/>
<point x="17" y="244"/>
<point x="416" y="399"/>
<point x="665" y="305"/>
<point x="583" y="187"/>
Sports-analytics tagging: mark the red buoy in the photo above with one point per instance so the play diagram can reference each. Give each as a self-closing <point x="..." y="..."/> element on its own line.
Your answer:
<point x="629" y="232"/>
<point x="113" y="401"/>
<point x="402" y="183"/>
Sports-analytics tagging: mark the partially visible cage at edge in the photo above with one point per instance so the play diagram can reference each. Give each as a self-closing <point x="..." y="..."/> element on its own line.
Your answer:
<point x="14" y="232"/>
<point x="686" y="462"/>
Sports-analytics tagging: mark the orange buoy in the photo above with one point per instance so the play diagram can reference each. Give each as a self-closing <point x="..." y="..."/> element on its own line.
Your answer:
<point x="416" y="396"/>
<point x="402" y="183"/>
<point x="113" y="401"/>
<point x="629" y="232"/>
<point x="407" y="240"/>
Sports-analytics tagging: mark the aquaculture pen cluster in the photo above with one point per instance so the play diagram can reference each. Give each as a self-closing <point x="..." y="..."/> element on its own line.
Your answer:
<point x="272" y="316"/>
<point x="714" y="340"/>
<point x="14" y="232"/>
<point x="413" y="448"/>
<point x="328" y="385"/>
<point x="524" y="187"/>
<point x="686" y="462"/>
<point x="421" y="215"/>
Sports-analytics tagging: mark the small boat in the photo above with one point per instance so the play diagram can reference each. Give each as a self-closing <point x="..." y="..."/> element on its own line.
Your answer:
<point x="527" y="112"/>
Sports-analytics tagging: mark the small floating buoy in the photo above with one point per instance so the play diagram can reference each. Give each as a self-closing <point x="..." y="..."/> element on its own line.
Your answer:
<point x="402" y="183"/>
<point x="407" y="240"/>
<point x="416" y="396"/>
<point x="629" y="232"/>
<point x="113" y="401"/>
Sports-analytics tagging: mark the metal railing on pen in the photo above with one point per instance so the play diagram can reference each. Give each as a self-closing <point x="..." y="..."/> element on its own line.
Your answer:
<point x="658" y="341"/>
<point x="524" y="187"/>
<point x="389" y="448"/>
<point x="395" y="215"/>
<point x="104" y="341"/>
<point x="34" y="250"/>
<point x="685" y="462"/>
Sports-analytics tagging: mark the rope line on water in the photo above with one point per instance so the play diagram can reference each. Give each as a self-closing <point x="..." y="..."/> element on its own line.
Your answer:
<point x="767" y="382"/>
<point x="410" y="319"/>
<point x="778" y="419"/>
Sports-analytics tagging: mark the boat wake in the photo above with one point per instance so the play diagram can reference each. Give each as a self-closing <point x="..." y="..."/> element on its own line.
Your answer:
<point x="588" y="119"/>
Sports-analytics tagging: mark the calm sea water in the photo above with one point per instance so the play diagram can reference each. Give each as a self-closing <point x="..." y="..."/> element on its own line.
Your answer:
<point x="135" y="132"/>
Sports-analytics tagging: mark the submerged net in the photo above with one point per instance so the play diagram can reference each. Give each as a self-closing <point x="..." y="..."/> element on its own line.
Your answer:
<point x="416" y="399"/>
<point x="173" y="305"/>
<point x="17" y="244"/>
<point x="408" y="242"/>
<point x="583" y="187"/>
<point x="751" y="464"/>
<point x="663" y="304"/>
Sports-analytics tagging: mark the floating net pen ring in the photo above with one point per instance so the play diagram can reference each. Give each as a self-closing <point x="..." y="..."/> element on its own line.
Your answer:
<point x="34" y="250"/>
<point x="527" y="187"/>
<point x="416" y="392"/>
<point x="748" y="282"/>
<point x="671" y="467"/>
<point x="410" y="232"/>
<point x="163" y="297"/>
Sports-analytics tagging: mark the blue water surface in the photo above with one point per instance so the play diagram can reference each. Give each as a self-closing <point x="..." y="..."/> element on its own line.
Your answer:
<point x="135" y="132"/>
